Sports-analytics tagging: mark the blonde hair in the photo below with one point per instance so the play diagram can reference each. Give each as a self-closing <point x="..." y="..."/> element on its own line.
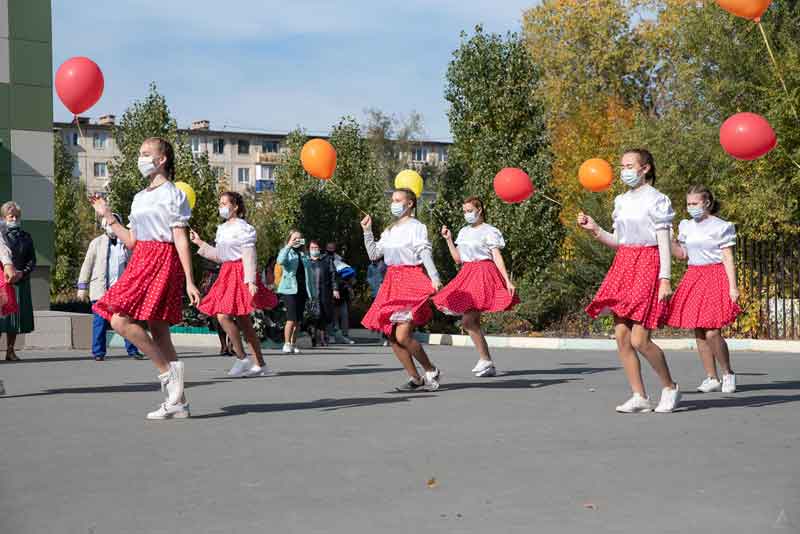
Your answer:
<point x="10" y="206"/>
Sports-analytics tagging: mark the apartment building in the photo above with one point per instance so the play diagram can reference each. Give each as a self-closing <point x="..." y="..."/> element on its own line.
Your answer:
<point x="246" y="159"/>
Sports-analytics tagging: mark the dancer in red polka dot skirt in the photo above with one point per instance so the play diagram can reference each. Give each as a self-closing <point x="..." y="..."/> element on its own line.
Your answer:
<point x="238" y="291"/>
<point x="482" y="284"/>
<point x="637" y="287"/>
<point x="402" y="301"/>
<point x="705" y="300"/>
<point x="151" y="288"/>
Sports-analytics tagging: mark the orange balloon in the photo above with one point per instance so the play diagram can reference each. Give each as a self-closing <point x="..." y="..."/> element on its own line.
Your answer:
<point x="595" y="175"/>
<point x="319" y="159"/>
<point x="747" y="9"/>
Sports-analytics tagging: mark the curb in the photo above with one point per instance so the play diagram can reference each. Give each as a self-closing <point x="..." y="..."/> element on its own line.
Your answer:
<point x="503" y="342"/>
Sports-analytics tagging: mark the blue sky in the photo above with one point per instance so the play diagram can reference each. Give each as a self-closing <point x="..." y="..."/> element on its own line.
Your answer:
<point x="274" y="65"/>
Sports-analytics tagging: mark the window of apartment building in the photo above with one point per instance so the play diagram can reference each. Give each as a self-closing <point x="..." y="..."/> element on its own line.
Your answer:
<point x="195" y="145"/>
<point x="101" y="170"/>
<point x="270" y="146"/>
<point x="219" y="146"/>
<point x="265" y="185"/>
<point x="243" y="174"/>
<point x="71" y="138"/>
<point x="76" y="168"/>
<point x="75" y="139"/>
<point x="443" y="153"/>
<point x="218" y="171"/>
<point x="244" y="146"/>
<point x="419" y="154"/>
<point x="100" y="141"/>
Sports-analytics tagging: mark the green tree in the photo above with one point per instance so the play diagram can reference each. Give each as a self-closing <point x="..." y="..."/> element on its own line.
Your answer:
<point x="497" y="121"/>
<point x="69" y="195"/>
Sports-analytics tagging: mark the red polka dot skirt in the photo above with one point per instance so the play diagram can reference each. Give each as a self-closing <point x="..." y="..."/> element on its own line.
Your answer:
<point x="478" y="286"/>
<point x="8" y="298"/>
<point x="630" y="289"/>
<point x="150" y="289"/>
<point x="229" y="294"/>
<point x="405" y="288"/>
<point x="702" y="299"/>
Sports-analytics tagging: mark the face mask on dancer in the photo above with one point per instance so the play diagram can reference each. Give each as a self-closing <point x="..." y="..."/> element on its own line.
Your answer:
<point x="630" y="177"/>
<point x="471" y="217"/>
<point x="146" y="166"/>
<point x="225" y="212"/>
<point x="398" y="209"/>
<point x="314" y="254"/>
<point x="696" y="212"/>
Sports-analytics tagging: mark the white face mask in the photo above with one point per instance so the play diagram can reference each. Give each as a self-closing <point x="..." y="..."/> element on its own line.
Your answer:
<point x="225" y="212"/>
<point x="12" y="224"/>
<point x="109" y="230"/>
<point x="471" y="217"/>
<point x="398" y="208"/>
<point x="146" y="166"/>
<point x="630" y="177"/>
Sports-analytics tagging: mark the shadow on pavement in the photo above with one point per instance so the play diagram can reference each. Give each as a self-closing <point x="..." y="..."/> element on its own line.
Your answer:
<point x="758" y="401"/>
<point x="122" y="388"/>
<point x="563" y="371"/>
<point x="341" y="372"/>
<point x="325" y="405"/>
<point x="494" y="383"/>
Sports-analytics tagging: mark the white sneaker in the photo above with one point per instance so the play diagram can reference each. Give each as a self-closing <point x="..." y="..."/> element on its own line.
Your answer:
<point x="432" y="380"/>
<point x="170" y="411"/>
<point x="709" y="384"/>
<point x="295" y="350"/>
<point x="636" y="404"/>
<point x="287" y="348"/>
<point x="481" y="366"/>
<point x="669" y="399"/>
<point x="729" y="383"/>
<point x="347" y="341"/>
<point x="385" y="342"/>
<point x="240" y="367"/>
<point x="258" y="370"/>
<point x="172" y="382"/>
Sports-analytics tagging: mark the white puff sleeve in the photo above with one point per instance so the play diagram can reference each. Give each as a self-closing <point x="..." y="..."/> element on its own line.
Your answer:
<point x="179" y="210"/>
<point x="494" y="239"/>
<point x="661" y="212"/>
<point x="247" y="236"/>
<point x="727" y="237"/>
<point x="682" y="231"/>
<point x="419" y="239"/>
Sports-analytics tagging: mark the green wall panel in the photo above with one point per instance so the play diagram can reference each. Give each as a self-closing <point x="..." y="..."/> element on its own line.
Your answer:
<point x="5" y="105"/>
<point x="31" y="108"/>
<point x="30" y="19"/>
<point x="5" y="165"/>
<point x="42" y="234"/>
<point x="31" y="63"/>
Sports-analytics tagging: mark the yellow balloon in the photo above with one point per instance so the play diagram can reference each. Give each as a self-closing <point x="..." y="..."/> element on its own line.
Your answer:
<point x="409" y="179"/>
<point x="188" y="191"/>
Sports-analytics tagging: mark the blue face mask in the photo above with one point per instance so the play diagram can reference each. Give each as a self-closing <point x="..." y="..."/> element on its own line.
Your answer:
<point x="696" y="212"/>
<point x="398" y="208"/>
<point x="630" y="177"/>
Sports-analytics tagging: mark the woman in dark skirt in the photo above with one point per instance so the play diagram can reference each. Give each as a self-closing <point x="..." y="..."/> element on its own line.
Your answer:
<point x="23" y="255"/>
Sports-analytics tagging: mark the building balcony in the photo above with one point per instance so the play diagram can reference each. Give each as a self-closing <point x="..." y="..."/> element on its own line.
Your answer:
<point x="269" y="157"/>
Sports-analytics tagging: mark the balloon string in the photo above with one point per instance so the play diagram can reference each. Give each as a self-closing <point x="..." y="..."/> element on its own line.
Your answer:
<point x="556" y="202"/>
<point x="789" y="157"/>
<point x="78" y="125"/>
<point x="777" y="69"/>
<point x="347" y="196"/>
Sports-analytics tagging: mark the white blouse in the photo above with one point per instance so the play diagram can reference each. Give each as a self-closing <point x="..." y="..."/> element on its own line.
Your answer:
<point x="639" y="213"/>
<point x="404" y="243"/>
<point x="232" y="238"/>
<point x="703" y="241"/>
<point x="476" y="243"/>
<point x="154" y="213"/>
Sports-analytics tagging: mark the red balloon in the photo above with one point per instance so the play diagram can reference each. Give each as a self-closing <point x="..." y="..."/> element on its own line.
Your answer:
<point x="513" y="185"/>
<point x="79" y="84"/>
<point x="747" y="136"/>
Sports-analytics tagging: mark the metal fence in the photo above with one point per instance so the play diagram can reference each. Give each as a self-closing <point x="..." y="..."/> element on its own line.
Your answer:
<point x="768" y="273"/>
